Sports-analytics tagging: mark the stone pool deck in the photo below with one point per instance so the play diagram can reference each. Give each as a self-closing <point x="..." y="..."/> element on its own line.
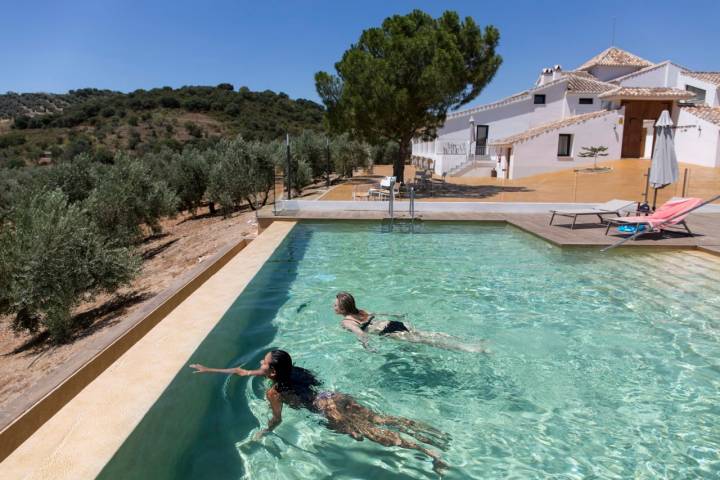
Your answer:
<point x="85" y="433"/>
<point x="705" y="226"/>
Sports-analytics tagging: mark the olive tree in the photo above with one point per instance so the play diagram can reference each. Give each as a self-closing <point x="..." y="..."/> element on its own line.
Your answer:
<point x="310" y="148"/>
<point x="126" y="197"/>
<point x="348" y="154"/>
<point x="189" y="174"/>
<point x="52" y="256"/>
<point x="242" y="171"/>
<point x="399" y="80"/>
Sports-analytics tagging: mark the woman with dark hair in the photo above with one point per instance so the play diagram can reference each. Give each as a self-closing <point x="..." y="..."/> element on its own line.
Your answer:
<point x="298" y="388"/>
<point x="362" y="323"/>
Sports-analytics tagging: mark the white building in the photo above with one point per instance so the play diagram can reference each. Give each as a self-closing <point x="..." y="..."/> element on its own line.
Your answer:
<point x="611" y="100"/>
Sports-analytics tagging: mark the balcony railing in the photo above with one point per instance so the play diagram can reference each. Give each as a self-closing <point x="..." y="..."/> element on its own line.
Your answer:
<point x="481" y="150"/>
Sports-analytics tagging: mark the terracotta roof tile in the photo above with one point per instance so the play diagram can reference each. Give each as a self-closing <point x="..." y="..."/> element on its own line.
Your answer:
<point x="647" y="93"/>
<point x="586" y="84"/>
<point x="709" y="114"/>
<point x="505" y="101"/>
<point x="710" y="77"/>
<point x="615" y="57"/>
<point x="548" y="127"/>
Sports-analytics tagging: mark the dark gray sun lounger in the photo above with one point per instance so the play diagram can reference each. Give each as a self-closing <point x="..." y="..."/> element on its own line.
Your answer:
<point x="613" y="207"/>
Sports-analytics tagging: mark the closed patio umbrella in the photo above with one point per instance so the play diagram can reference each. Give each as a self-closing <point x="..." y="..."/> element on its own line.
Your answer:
<point x="664" y="166"/>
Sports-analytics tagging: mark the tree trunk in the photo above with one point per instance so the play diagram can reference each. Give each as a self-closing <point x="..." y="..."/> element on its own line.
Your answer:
<point x="251" y="203"/>
<point x="265" y="198"/>
<point x="211" y="206"/>
<point x="399" y="163"/>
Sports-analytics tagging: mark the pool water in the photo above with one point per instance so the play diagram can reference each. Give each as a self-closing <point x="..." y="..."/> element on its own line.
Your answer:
<point x="598" y="365"/>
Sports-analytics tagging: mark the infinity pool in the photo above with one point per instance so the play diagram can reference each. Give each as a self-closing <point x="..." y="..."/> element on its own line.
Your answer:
<point x="599" y="365"/>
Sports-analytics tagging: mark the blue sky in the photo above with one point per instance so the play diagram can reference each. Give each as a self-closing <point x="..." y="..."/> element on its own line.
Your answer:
<point x="55" y="46"/>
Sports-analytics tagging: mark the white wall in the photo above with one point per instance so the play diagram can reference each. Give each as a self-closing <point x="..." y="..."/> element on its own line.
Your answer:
<point x="665" y="76"/>
<point x="712" y="96"/>
<point x="575" y="108"/>
<point x="698" y="146"/>
<point x="512" y="118"/>
<point x="503" y="121"/>
<point x="539" y="154"/>
<point x="606" y="74"/>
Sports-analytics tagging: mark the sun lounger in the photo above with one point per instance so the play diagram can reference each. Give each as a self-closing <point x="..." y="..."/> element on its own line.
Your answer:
<point x="671" y="213"/>
<point x="613" y="207"/>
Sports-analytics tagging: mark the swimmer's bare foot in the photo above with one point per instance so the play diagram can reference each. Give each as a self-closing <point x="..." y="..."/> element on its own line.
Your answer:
<point x="439" y="466"/>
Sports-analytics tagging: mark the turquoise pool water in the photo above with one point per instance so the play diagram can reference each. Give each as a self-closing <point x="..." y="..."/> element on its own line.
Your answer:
<point x="599" y="365"/>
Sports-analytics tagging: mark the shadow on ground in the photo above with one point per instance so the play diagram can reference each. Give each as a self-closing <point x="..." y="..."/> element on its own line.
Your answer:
<point x="453" y="190"/>
<point x="86" y="323"/>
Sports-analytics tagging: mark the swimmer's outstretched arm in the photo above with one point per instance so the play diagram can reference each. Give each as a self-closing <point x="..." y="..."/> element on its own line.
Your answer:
<point x="352" y="326"/>
<point x="233" y="371"/>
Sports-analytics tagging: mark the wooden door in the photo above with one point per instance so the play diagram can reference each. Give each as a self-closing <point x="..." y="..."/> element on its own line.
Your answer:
<point x="633" y="133"/>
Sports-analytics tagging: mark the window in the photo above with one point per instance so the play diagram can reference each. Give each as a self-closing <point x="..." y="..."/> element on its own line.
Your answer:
<point x="539" y="99"/>
<point x="481" y="137"/>
<point x="564" y="145"/>
<point x="699" y="93"/>
<point x="586" y="101"/>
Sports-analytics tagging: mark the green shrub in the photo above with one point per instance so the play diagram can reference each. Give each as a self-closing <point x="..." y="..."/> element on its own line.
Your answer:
<point x="194" y="130"/>
<point x="51" y="258"/>
<point x="12" y="140"/>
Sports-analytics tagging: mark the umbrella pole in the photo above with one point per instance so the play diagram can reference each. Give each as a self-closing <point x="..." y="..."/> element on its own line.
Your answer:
<point x="654" y="198"/>
<point x="647" y="185"/>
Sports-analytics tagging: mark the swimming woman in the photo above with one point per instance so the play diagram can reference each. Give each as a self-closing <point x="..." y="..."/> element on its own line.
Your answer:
<point x="362" y="323"/>
<point x="298" y="388"/>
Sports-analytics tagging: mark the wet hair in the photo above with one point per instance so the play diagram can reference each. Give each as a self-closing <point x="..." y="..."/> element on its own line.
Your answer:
<point x="346" y="304"/>
<point x="296" y="385"/>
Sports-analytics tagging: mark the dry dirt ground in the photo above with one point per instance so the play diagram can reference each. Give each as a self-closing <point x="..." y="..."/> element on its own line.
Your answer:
<point x="185" y="242"/>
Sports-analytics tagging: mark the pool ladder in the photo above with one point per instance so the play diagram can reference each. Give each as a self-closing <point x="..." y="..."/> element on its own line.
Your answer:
<point x="391" y="222"/>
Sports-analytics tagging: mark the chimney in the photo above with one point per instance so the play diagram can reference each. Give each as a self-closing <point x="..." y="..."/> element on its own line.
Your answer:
<point x="545" y="76"/>
<point x="556" y="72"/>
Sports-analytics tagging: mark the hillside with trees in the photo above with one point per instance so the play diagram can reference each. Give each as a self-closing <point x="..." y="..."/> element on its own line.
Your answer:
<point x="44" y="128"/>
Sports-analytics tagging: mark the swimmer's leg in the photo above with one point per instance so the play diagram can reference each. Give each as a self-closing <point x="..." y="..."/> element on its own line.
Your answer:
<point x="438" y="340"/>
<point x="390" y="438"/>
<point x="421" y="431"/>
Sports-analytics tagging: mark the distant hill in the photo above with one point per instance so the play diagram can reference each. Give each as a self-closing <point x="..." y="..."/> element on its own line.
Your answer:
<point x="31" y="104"/>
<point x="43" y="128"/>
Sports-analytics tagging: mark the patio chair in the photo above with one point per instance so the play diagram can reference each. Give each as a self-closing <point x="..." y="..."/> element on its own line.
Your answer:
<point x="384" y="193"/>
<point x="671" y="213"/>
<point x="613" y="207"/>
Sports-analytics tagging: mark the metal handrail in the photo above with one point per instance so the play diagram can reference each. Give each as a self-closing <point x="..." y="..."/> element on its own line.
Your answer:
<point x="391" y="199"/>
<point x="412" y="203"/>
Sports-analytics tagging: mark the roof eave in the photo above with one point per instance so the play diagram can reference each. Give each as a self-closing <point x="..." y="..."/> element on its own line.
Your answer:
<point x="644" y="97"/>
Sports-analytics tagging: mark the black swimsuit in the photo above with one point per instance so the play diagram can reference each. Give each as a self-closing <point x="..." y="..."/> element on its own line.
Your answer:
<point x="393" y="326"/>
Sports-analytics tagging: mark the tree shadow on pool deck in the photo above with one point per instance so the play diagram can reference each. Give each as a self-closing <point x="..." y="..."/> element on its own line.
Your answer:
<point x="192" y="429"/>
<point x="455" y="190"/>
